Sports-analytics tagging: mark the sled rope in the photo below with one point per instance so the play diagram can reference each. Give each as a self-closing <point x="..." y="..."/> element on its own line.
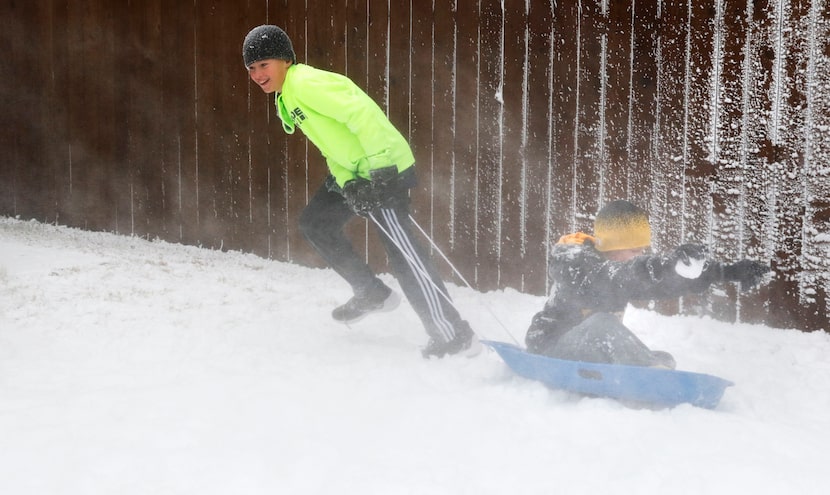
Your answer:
<point x="457" y="272"/>
<point x="412" y="262"/>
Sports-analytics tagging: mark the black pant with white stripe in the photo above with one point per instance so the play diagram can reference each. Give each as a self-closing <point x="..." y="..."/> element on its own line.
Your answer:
<point x="322" y="223"/>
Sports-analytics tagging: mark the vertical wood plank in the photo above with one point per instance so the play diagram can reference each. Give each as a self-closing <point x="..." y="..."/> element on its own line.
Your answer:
<point x="421" y="129"/>
<point x="513" y="150"/>
<point x="588" y="168"/>
<point x="816" y="277"/>
<point x="467" y="137"/>
<point x="445" y="190"/>
<point x="564" y="112"/>
<point x="617" y="77"/>
<point x="641" y="99"/>
<point x="488" y="224"/>
<point x="537" y="149"/>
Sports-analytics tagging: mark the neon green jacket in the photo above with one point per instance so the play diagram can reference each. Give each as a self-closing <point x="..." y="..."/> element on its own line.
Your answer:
<point x="348" y="127"/>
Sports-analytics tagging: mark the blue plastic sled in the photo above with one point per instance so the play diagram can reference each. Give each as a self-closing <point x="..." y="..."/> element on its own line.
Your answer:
<point x="638" y="384"/>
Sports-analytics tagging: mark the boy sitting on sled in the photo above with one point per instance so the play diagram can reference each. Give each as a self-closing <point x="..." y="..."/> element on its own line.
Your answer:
<point x="595" y="277"/>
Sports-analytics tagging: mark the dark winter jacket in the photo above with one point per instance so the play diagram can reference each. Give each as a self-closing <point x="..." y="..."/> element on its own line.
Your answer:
<point x="583" y="282"/>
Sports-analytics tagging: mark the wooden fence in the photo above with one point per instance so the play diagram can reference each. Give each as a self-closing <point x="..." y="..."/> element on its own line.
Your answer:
<point x="525" y="117"/>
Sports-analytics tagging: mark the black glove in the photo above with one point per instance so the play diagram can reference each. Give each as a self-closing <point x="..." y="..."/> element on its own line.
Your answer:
<point x="361" y="197"/>
<point x="689" y="261"/>
<point x="685" y="253"/>
<point x="749" y="273"/>
<point x="384" y="178"/>
<point x="364" y="197"/>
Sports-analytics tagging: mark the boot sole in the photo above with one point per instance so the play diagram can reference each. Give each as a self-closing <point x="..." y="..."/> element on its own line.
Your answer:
<point x="471" y="351"/>
<point x="389" y="304"/>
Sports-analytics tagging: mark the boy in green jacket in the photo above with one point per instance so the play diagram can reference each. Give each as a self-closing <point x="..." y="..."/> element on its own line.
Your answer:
<point x="371" y="172"/>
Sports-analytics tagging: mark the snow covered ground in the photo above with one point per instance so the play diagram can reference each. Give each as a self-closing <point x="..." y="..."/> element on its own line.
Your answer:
<point x="136" y="367"/>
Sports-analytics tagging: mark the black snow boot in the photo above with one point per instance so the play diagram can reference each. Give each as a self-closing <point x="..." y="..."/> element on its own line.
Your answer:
<point x="464" y="343"/>
<point x="664" y="360"/>
<point x="376" y="299"/>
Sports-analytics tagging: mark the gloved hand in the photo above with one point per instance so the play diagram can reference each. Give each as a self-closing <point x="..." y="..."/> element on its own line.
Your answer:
<point x="749" y="273"/>
<point x="364" y="197"/>
<point x="361" y="197"/>
<point x="384" y="178"/>
<point x="685" y="253"/>
<point x="689" y="260"/>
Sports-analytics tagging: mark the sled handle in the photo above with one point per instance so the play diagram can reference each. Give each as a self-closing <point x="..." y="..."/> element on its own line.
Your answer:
<point x="590" y="374"/>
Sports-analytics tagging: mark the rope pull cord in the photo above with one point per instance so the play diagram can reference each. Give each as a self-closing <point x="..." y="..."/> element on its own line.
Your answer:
<point x="426" y="275"/>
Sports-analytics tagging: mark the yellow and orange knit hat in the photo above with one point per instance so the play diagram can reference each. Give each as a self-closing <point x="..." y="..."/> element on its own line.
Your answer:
<point x="621" y="225"/>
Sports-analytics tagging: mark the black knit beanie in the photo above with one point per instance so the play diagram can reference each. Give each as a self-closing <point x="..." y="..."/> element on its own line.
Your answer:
<point x="267" y="41"/>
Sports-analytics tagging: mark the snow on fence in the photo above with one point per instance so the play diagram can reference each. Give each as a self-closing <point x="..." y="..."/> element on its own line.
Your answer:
<point x="525" y="117"/>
